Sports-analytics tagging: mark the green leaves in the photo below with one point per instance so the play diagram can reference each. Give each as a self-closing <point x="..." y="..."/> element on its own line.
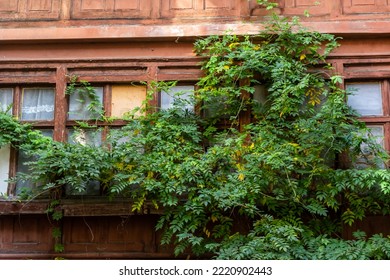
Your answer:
<point x="289" y="165"/>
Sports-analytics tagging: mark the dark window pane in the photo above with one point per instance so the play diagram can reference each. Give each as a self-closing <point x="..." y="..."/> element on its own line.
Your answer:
<point x="92" y="188"/>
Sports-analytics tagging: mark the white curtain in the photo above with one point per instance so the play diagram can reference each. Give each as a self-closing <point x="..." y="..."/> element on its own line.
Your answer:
<point x="4" y="168"/>
<point x="6" y="96"/>
<point x="38" y="104"/>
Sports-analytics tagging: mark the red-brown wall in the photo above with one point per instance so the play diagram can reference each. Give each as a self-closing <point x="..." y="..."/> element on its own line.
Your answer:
<point x="120" y="40"/>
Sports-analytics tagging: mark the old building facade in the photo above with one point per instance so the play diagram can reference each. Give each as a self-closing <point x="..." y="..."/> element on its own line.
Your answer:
<point x="115" y="45"/>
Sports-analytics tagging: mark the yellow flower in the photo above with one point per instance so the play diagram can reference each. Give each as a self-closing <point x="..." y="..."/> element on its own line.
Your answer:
<point x="129" y="167"/>
<point x="232" y="45"/>
<point x="206" y="231"/>
<point x="240" y="166"/>
<point x="119" y="165"/>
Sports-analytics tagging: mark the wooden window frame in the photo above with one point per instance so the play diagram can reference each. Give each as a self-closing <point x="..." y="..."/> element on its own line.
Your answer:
<point x="60" y="123"/>
<point x="16" y="112"/>
<point x="379" y="120"/>
<point x="108" y="74"/>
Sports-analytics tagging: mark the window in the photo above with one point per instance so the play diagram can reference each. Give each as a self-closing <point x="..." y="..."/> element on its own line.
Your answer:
<point x="368" y="99"/>
<point x="34" y="104"/>
<point x="115" y="100"/>
<point x="43" y="107"/>
<point x="6" y="100"/>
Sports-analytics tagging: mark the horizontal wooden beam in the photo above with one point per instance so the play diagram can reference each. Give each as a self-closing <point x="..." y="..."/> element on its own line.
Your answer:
<point x="85" y="255"/>
<point x="178" y="32"/>
<point x="78" y="207"/>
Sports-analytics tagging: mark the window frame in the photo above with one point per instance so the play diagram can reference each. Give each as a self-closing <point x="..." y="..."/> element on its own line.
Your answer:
<point x="60" y="124"/>
<point x="36" y="124"/>
<point x="377" y="120"/>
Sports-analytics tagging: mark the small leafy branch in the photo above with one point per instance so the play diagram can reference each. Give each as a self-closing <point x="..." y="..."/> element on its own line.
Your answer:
<point x="55" y="212"/>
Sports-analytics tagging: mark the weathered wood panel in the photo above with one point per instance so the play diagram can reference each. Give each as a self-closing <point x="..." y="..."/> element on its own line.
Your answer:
<point x="370" y="225"/>
<point x="366" y="6"/>
<point x="299" y="7"/>
<point x="125" y="234"/>
<point x="25" y="234"/>
<point x="201" y="8"/>
<point x="110" y="9"/>
<point x="30" y="10"/>
<point x="125" y="97"/>
<point x="29" y="236"/>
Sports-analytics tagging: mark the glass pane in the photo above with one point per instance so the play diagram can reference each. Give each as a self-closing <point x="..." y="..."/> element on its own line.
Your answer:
<point x="260" y="94"/>
<point x="47" y="132"/>
<point x="79" y="103"/>
<point x="23" y="186"/>
<point x="37" y="104"/>
<point x="4" y="168"/>
<point x="92" y="137"/>
<point x="28" y="186"/>
<point x="92" y="188"/>
<point x="126" y="98"/>
<point x="84" y="137"/>
<point x="377" y="132"/>
<point x="6" y="99"/>
<point x="366" y="98"/>
<point x="177" y="93"/>
<point x="118" y="136"/>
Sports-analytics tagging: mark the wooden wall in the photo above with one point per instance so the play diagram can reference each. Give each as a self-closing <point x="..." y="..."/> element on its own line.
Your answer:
<point x="21" y="20"/>
<point x="89" y="237"/>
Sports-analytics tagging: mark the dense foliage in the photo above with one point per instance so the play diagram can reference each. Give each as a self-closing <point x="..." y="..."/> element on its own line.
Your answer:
<point x="280" y="187"/>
